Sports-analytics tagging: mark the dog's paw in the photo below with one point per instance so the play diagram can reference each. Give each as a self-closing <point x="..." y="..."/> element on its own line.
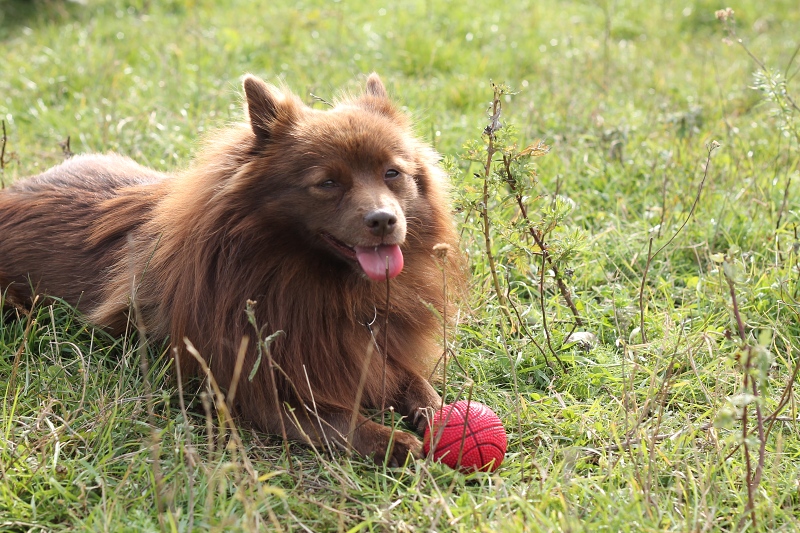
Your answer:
<point x="418" y="403"/>
<point x="421" y="419"/>
<point x="393" y="446"/>
<point x="404" y="446"/>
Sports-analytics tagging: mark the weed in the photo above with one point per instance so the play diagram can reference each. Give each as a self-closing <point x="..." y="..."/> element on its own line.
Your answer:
<point x="680" y="415"/>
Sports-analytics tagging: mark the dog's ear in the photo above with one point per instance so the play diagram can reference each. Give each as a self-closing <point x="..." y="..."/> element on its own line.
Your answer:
<point x="376" y="99"/>
<point x="266" y="106"/>
<point x="375" y="87"/>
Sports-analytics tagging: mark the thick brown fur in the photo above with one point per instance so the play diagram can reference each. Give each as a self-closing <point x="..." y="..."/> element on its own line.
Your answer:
<point x="260" y="215"/>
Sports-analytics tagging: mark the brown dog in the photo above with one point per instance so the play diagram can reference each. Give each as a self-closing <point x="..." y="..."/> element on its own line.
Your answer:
<point x="304" y="211"/>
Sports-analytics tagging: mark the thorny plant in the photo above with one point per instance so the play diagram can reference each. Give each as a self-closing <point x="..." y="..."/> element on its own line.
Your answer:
<point x="537" y="251"/>
<point x="3" y="161"/>
<point x="773" y="85"/>
<point x="752" y="351"/>
<point x="755" y="360"/>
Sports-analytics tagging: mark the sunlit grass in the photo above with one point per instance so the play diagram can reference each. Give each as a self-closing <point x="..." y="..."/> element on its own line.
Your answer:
<point x="637" y="434"/>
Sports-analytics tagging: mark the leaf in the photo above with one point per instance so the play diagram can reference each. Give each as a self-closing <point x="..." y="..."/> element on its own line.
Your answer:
<point x="266" y="342"/>
<point x="537" y="149"/>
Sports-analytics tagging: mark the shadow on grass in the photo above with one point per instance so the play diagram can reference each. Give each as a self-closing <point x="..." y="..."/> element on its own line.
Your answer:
<point x="16" y="13"/>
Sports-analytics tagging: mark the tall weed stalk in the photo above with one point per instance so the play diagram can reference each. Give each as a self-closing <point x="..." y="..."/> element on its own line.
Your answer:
<point x="535" y="255"/>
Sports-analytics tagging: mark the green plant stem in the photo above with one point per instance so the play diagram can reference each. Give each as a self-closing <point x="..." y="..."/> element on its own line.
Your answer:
<point x="487" y="231"/>
<point x="749" y="384"/>
<point x="562" y="287"/>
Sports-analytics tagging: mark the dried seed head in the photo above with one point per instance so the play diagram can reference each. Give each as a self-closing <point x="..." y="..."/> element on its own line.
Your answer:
<point x="724" y="14"/>
<point x="441" y="250"/>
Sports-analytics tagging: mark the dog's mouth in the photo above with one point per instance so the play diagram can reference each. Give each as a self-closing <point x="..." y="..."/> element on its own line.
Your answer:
<point x="380" y="262"/>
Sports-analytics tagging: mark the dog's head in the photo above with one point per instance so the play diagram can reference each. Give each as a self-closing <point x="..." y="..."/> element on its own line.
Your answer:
<point x="352" y="179"/>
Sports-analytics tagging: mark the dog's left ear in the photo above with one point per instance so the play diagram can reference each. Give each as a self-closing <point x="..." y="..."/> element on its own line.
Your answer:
<point x="375" y="87"/>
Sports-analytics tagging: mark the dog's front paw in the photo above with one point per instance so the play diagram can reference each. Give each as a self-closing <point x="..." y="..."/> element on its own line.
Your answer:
<point x="418" y="403"/>
<point x="387" y="444"/>
<point x="402" y="446"/>
<point x="421" y="419"/>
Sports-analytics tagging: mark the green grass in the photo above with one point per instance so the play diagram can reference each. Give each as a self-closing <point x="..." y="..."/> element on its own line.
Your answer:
<point x="633" y="435"/>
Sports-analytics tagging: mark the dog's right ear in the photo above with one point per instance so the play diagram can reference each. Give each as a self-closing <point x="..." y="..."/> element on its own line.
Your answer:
<point x="266" y="105"/>
<point x="375" y="87"/>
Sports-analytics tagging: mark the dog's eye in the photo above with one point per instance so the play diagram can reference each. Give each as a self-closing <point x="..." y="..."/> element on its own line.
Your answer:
<point x="328" y="184"/>
<point x="391" y="174"/>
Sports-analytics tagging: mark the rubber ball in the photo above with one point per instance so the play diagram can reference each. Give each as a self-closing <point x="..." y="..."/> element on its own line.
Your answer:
<point x="467" y="436"/>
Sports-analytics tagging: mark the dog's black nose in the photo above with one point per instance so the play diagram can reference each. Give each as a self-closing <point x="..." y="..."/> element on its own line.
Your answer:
<point x="380" y="222"/>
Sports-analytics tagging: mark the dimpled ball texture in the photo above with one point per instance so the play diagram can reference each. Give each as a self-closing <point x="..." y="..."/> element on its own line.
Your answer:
<point x="477" y="427"/>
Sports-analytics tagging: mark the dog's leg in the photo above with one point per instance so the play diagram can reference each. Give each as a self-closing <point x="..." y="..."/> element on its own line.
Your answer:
<point x="417" y="401"/>
<point x="333" y="428"/>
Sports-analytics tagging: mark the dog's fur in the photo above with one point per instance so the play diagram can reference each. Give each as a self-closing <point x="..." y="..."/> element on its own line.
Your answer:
<point x="262" y="214"/>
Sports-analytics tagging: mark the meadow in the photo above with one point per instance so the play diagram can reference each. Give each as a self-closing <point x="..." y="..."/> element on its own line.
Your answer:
<point x="630" y="219"/>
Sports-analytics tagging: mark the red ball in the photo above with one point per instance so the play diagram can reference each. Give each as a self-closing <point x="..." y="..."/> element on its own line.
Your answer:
<point x="476" y="436"/>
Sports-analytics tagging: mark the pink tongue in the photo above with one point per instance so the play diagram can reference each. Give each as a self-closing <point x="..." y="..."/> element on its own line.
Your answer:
<point x="373" y="260"/>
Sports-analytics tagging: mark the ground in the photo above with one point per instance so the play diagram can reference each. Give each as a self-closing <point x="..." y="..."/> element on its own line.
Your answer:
<point x="667" y="203"/>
